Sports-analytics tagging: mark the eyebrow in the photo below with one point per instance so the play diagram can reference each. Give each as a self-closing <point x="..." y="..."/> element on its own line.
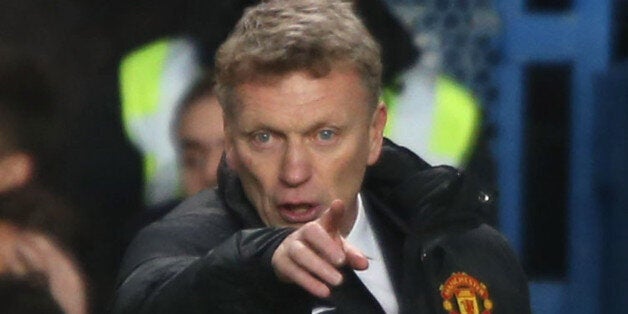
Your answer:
<point x="315" y="126"/>
<point x="186" y="143"/>
<point x="189" y="144"/>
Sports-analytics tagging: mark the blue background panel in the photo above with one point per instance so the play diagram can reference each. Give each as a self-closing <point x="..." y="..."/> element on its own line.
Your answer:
<point x="580" y="36"/>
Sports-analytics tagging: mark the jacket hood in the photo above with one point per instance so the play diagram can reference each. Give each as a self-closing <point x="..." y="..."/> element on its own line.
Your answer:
<point x="421" y="196"/>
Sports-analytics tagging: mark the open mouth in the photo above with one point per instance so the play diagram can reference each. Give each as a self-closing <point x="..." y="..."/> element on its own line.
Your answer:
<point x="299" y="212"/>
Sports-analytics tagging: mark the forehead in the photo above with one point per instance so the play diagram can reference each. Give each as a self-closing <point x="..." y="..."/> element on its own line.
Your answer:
<point x="300" y="90"/>
<point x="207" y="104"/>
<point x="202" y="121"/>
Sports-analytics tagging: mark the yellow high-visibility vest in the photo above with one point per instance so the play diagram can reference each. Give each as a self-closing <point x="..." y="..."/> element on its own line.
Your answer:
<point x="433" y="116"/>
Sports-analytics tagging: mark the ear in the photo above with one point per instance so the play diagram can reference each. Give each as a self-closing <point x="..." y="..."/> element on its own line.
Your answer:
<point x="376" y="132"/>
<point x="16" y="170"/>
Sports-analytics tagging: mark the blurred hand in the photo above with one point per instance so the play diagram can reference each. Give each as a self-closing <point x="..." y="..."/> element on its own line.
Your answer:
<point x="23" y="252"/>
<point x="8" y="256"/>
<point x="311" y="256"/>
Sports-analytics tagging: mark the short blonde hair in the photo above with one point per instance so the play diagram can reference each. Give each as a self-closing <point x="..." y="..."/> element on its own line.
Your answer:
<point x="279" y="36"/>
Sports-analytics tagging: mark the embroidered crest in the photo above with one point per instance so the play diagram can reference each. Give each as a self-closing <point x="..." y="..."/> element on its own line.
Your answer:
<point x="463" y="294"/>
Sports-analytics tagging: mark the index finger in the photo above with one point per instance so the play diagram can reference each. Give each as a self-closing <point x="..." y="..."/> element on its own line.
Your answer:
<point x="332" y="218"/>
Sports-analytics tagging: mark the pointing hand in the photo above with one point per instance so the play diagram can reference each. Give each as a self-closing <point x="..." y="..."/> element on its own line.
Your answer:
<point x="312" y="255"/>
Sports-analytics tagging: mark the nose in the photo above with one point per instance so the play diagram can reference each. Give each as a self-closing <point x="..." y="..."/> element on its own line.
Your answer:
<point x="296" y="167"/>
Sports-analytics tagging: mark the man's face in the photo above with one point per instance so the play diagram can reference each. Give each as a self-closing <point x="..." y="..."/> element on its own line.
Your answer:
<point x="299" y="142"/>
<point x="201" y="139"/>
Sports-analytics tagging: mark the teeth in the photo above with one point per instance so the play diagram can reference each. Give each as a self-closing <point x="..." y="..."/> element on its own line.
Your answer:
<point x="300" y="209"/>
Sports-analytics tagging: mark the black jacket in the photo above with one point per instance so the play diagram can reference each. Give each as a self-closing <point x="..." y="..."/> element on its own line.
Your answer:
<point x="212" y="254"/>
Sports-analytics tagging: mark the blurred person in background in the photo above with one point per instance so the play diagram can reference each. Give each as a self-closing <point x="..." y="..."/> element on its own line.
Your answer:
<point x="37" y="229"/>
<point x="198" y="137"/>
<point x="26" y="110"/>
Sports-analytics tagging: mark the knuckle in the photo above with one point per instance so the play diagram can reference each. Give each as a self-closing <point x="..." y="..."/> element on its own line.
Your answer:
<point x="318" y="230"/>
<point x="309" y="227"/>
<point x="296" y="248"/>
<point x="309" y="230"/>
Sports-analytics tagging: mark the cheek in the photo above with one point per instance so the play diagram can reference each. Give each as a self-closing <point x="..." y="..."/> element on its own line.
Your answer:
<point x="256" y="178"/>
<point x="348" y="169"/>
<point x="254" y="172"/>
<point x="244" y="164"/>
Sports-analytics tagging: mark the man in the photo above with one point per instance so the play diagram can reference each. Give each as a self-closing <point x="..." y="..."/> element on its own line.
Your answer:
<point x="197" y="131"/>
<point x="199" y="137"/>
<point x="315" y="211"/>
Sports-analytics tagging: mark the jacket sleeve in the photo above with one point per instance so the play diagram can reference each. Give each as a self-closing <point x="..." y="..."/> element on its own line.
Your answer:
<point x="233" y="277"/>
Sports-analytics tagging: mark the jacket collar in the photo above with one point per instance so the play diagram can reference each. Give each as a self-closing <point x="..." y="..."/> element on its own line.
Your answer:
<point x="418" y="197"/>
<point x="232" y="194"/>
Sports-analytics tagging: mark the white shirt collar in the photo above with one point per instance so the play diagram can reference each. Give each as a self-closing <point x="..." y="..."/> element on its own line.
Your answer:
<point x="376" y="277"/>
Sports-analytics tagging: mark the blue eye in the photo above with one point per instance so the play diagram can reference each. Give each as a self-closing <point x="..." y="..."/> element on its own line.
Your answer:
<point x="326" y="135"/>
<point x="262" y="137"/>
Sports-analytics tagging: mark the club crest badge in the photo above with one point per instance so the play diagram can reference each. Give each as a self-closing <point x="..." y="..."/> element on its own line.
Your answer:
<point x="463" y="294"/>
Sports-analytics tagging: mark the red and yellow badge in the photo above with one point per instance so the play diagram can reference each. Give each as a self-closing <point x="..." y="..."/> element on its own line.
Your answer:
<point x="463" y="294"/>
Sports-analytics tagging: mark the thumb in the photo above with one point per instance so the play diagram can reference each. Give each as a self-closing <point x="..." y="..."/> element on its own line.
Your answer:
<point x="332" y="218"/>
